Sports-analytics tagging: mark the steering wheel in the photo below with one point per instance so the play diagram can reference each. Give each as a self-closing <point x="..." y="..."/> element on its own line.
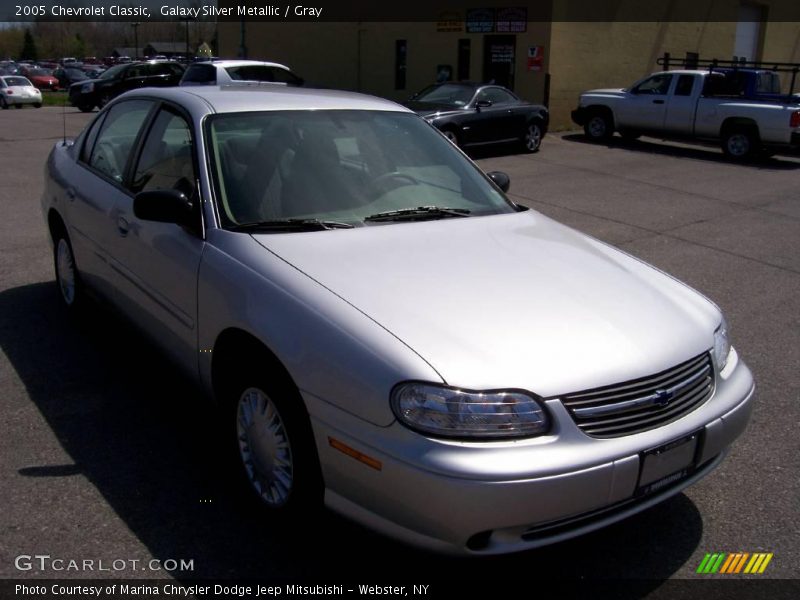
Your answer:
<point x="381" y="180"/>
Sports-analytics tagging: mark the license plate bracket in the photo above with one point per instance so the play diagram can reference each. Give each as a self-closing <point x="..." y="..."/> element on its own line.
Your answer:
<point x="667" y="464"/>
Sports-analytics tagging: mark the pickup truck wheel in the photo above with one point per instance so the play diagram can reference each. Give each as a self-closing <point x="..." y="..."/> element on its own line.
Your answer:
<point x="274" y="443"/>
<point x="533" y="137"/>
<point x="740" y="143"/>
<point x="599" y="127"/>
<point x="86" y="107"/>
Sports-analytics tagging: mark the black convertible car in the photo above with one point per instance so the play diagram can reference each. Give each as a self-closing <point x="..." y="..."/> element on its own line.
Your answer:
<point x="472" y="114"/>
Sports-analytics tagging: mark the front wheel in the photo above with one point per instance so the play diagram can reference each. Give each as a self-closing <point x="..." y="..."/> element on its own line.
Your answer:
<point x="740" y="143"/>
<point x="599" y="127"/>
<point x="274" y="444"/>
<point x="3" y="103"/>
<point x="451" y="135"/>
<point x="533" y="137"/>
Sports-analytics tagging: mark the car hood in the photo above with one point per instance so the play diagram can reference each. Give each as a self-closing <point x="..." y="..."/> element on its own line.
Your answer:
<point x="509" y="301"/>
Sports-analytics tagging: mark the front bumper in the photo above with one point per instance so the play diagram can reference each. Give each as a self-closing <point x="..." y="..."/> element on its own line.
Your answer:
<point x="491" y="498"/>
<point x="579" y="116"/>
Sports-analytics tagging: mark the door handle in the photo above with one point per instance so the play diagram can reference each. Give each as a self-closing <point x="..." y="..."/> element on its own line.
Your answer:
<point x="658" y="102"/>
<point x="122" y="226"/>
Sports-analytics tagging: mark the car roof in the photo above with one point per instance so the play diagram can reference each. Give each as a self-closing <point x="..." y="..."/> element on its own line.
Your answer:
<point x="249" y="97"/>
<point x="241" y="63"/>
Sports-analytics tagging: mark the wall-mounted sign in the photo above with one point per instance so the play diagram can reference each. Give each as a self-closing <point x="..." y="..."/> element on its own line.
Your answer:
<point x="511" y="20"/>
<point x="535" y="58"/>
<point x="480" y="20"/>
<point x="449" y="22"/>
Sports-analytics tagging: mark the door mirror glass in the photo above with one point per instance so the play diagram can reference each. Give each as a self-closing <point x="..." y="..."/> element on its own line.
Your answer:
<point x="164" y="206"/>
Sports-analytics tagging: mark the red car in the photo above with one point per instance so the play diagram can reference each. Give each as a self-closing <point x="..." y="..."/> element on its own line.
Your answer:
<point x="40" y="78"/>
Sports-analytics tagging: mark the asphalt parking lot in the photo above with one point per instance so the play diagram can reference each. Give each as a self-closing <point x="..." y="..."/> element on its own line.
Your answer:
<point x="106" y="454"/>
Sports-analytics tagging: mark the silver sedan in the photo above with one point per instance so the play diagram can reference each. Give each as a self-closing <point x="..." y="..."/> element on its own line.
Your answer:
<point x="385" y="331"/>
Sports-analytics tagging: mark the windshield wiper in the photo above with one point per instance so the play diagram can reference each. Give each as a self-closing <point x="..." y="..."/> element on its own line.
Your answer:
<point x="290" y="225"/>
<point x="420" y="213"/>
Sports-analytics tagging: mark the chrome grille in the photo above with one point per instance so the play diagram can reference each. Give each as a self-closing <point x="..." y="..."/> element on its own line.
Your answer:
<point x="643" y="404"/>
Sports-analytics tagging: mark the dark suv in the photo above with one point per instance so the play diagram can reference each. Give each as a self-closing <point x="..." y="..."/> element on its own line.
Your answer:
<point x="118" y="79"/>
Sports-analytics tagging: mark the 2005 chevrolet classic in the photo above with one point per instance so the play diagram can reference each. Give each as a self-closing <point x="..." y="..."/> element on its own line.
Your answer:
<point x="389" y="333"/>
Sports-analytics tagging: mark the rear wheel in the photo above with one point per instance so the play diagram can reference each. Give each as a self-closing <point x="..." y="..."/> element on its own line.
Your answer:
<point x="533" y="137"/>
<point x="37" y="105"/>
<point x="3" y="103"/>
<point x="67" y="276"/>
<point x="740" y="143"/>
<point x="598" y="127"/>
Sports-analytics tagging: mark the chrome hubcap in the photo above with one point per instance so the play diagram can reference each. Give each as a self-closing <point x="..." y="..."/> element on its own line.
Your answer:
<point x="533" y="137"/>
<point x="597" y="127"/>
<point x="451" y="136"/>
<point x="66" y="271"/>
<point x="738" y="144"/>
<point x="264" y="447"/>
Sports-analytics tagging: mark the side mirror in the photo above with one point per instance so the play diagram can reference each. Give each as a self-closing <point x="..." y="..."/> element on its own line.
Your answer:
<point x="164" y="206"/>
<point x="482" y="104"/>
<point x="502" y="180"/>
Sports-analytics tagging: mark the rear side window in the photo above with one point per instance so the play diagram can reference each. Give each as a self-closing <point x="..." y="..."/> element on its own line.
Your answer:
<point x="201" y="74"/>
<point x="495" y="96"/>
<point x="657" y="84"/>
<point x="261" y="73"/>
<point x="118" y="133"/>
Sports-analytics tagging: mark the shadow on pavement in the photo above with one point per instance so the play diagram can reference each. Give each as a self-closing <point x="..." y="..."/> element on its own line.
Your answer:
<point x="148" y="441"/>
<point x="664" y="148"/>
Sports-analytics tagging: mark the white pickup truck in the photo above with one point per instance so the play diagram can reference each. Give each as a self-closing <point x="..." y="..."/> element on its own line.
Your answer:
<point x="692" y="104"/>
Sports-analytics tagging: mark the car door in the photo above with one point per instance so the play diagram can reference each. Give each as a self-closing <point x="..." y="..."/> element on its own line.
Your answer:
<point x="159" y="261"/>
<point x="495" y="122"/>
<point x="681" y="104"/>
<point x="644" y="107"/>
<point x="94" y="187"/>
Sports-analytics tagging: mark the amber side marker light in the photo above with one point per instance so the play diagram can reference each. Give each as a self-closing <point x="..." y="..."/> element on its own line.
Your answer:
<point x="353" y="453"/>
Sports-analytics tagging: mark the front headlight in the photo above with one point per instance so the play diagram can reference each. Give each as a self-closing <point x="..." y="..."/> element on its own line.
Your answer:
<point x="449" y="412"/>
<point x="87" y="88"/>
<point x="722" y="344"/>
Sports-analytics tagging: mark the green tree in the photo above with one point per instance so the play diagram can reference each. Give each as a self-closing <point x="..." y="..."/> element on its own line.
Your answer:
<point x="28" y="51"/>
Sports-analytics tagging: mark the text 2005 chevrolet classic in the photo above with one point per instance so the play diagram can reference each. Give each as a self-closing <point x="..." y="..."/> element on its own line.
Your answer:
<point x="389" y="333"/>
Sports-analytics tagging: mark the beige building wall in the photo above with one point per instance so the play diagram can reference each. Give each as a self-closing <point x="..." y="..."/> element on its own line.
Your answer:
<point x="361" y="56"/>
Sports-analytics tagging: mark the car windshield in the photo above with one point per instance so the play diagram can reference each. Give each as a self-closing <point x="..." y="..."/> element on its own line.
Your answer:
<point x="17" y="82"/>
<point x="447" y="93"/>
<point x="112" y="72"/>
<point x="346" y="166"/>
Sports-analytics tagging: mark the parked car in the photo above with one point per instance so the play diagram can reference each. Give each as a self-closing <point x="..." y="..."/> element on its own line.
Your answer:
<point x="42" y="79"/>
<point x="98" y="92"/>
<point x="223" y="72"/>
<point x="377" y="319"/>
<point x="472" y="114"/>
<point x="691" y="104"/>
<point x="17" y="91"/>
<point x="69" y="75"/>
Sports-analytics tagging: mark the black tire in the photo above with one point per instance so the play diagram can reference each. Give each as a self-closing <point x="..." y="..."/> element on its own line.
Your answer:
<point x="740" y="143"/>
<point x="254" y="399"/>
<point x="68" y="279"/>
<point x="86" y="107"/>
<point x="452" y="135"/>
<point x="599" y="127"/>
<point x="37" y="105"/>
<point x="3" y="103"/>
<point x="532" y="138"/>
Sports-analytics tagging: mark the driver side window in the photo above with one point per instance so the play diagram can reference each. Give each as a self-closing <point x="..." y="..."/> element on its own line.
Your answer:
<point x="657" y="84"/>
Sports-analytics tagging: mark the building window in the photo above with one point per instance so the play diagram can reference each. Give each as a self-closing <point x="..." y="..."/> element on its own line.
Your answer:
<point x="400" y="57"/>
<point x="463" y="60"/>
